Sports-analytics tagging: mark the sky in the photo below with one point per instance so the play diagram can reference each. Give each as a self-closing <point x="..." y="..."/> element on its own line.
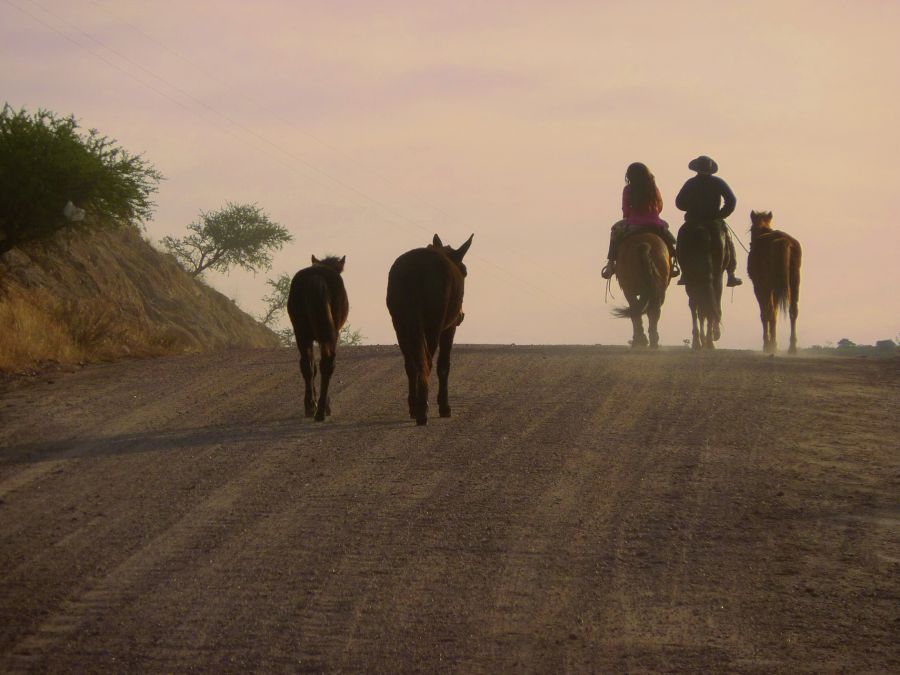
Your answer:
<point x="364" y="128"/>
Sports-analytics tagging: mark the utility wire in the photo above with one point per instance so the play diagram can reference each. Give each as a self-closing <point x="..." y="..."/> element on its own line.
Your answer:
<point x="396" y="219"/>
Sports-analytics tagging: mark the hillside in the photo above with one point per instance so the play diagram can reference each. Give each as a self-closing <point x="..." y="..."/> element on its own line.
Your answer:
<point x="106" y="295"/>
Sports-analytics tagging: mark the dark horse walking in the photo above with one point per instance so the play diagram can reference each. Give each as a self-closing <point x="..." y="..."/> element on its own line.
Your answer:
<point x="703" y="257"/>
<point x="774" y="268"/>
<point x="318" y="308"/>
<point x="643" y="268"/>
<point x="424" y="297"/>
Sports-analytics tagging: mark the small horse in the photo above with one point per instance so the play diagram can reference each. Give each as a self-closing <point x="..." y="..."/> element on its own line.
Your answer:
<point x="318" y="308"/>
<point x="643" y="268"/>
<point x="424" y="297"/>
<point x="774" y="268"/>
<point x="703" y="257"/>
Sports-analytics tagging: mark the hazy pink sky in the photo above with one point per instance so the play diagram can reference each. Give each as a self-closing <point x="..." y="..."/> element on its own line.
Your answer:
<point x="366" y="129"/>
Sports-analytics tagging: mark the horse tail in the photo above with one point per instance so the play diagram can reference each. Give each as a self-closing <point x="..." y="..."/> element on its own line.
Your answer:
<point x="650" y="282"/>
<point x="781" y="273"/>
<point x="318" y="311"/>
<point x="696" y="258"/>
<point x="796" y="256"/>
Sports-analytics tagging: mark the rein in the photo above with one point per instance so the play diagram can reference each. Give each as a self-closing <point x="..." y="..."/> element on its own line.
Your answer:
<point x="738" y="238"/>
<point x="609" y="293"/>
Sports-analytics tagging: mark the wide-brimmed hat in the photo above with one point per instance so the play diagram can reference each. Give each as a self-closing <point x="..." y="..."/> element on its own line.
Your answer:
<point x="703" y="164"/>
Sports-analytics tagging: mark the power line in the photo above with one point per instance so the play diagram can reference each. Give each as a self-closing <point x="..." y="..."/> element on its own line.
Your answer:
<point x="396" y="218"/>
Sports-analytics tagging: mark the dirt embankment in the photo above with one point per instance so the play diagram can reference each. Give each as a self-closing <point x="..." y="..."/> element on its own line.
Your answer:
<point x="584" y="510"/>
<point x="101" y="296"/>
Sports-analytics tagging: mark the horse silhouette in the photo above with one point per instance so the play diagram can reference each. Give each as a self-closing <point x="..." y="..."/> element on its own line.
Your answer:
<point x="703" y="257"/>
<point x="318" y="308"/>
<point x="774" y="268"/>
<point x="424" y="297"/>
<point x="643" y="269"/>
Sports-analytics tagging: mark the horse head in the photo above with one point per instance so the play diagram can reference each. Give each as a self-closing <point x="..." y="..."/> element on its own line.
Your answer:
<point x="332" y="261"/>
<point x="455" y="255"/>
<point x="760" y="222"/>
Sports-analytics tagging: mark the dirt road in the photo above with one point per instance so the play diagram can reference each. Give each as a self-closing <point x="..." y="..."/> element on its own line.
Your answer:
<point x="586" y="509"/>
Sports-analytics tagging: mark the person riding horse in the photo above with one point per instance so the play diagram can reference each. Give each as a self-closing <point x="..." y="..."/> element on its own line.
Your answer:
<point x="706" y="198"/>
<point x="641" y="204"/>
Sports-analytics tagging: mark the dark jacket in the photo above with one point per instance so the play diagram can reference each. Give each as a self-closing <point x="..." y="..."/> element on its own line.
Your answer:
<point x="702" y="196"/>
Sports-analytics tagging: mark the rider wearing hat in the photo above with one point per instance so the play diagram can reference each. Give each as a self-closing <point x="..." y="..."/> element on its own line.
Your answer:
<point x="706" y="198"/>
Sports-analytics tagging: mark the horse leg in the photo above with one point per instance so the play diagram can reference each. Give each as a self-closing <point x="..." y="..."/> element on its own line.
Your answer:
<point x="762" y="301"/>
<point x="443" y="368"/>
<point x="695" y="328"/>
<point x="795" y="302"/>
<point x="308" y="369"/>
<point x="412" y="376"/>
<point x="327" y="368"/>
<point x="638" y="338"/>
<point x="716" y="321"/>
<point x="773" y="320"/>
<point x="653" y="314"/>
<point x="423" y="372"/>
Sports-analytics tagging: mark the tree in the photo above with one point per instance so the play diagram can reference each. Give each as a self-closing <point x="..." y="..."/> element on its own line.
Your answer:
<point x="238" y="234"/>
<point x="54" y="177"/>
<point x="845" y="343"/>
<point x="276" y="306"/>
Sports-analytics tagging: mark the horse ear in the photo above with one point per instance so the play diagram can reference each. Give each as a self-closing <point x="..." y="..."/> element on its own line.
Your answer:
<point x="437" y="242"/>
<point x="315" y="260"/>
<point x="461" y="251"/>
<point x="343" y="259"/>
<point x="769" y="215"/>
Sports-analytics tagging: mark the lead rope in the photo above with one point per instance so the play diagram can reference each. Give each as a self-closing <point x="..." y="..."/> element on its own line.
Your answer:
<point x="609" y="293"/>
<point x="745" y="251"/>
<point x="739" y="241"/>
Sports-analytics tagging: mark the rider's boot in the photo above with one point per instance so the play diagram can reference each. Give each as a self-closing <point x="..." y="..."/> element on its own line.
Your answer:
<point x="733" y="280"/>
<point x="609" y="270"/>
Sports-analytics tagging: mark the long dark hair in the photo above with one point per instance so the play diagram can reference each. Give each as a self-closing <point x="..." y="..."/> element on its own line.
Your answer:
<point x="643" y="186"/>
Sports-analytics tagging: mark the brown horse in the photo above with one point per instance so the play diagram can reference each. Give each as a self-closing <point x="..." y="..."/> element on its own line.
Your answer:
<point x="703" y="257"/>
<point x="424" y="297"/>
<point x="318" y="307"/>
<point x="643" y="268"/>
<point x="774" y="268"/>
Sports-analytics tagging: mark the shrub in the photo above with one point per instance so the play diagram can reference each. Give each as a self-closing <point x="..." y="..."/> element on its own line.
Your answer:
<point x="54" y="177"/>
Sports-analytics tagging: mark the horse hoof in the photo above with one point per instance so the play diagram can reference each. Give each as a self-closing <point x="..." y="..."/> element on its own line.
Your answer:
<point x="320" y="417"/>
<point x="421" y="421"/>
<point x="309" y="412"/>
<point x="792" y="350"/>
<point x="445" y="412"/>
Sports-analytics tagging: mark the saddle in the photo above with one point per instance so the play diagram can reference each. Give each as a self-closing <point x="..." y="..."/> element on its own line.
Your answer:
<point x="632" y="230"/>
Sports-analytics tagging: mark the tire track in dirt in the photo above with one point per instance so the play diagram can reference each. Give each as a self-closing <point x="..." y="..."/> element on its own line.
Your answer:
<point x="584" y="509"/>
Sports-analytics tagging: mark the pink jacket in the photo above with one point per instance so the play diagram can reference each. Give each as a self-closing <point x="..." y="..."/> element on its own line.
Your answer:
<point x="644" y="216"/>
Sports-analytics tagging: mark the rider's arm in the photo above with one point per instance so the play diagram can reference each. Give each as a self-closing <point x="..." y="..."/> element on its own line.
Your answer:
<point x="681" y="201"/>
<point x="729" y="199"/>
<point x="626" y="206"/>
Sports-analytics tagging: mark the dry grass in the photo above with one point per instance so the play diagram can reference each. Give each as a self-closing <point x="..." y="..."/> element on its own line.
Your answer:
<point x="106" y="296"/>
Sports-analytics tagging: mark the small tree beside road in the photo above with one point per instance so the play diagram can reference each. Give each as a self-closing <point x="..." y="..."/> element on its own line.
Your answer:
<point x="238" y="234"/>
